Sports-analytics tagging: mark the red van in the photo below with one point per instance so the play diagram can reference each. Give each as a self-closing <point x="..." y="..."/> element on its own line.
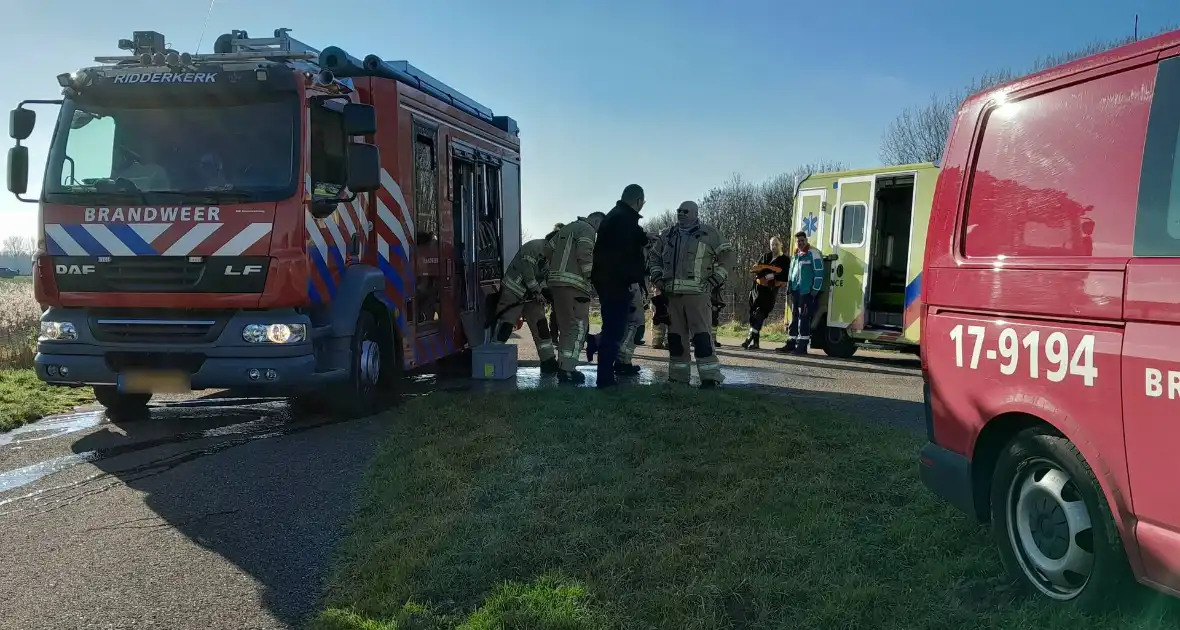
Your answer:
<point x="1051" y="323"/>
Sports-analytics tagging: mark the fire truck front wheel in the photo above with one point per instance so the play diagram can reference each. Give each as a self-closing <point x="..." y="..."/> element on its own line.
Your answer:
<point x="368" y="366"/>
<point x="120" y="403"/>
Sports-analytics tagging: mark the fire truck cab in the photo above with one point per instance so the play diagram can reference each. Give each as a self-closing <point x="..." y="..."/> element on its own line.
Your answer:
<point x="269" y="218"/>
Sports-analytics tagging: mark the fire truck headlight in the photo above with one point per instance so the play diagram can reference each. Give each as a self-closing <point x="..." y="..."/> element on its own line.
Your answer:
<point x="58" y="331"/>
<point x="274" y="333"/>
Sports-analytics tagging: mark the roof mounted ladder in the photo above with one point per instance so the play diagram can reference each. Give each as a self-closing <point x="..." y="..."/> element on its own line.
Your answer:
<point x="238" y="46"/>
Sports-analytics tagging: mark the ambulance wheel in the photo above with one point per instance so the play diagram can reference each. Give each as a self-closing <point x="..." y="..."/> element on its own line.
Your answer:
<point x="1055" y="532"/>
<point x="837" y="342"/>
<point x="121" y="403"/>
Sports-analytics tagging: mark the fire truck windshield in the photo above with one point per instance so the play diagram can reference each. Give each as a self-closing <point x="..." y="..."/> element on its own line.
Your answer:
<point x="224" y="151"/>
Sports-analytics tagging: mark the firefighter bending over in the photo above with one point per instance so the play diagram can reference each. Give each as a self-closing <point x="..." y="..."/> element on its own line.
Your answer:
<point x="571" y="258"/>
<point x="521" y="294"/>
<point x="549" y="298"/>
<point x="686" y="263"/>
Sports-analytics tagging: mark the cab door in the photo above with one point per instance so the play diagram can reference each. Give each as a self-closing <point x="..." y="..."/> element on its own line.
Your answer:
<point x="431" y="283"/>
<point x="1151" y="337"/>
<point x="851" y="216"/>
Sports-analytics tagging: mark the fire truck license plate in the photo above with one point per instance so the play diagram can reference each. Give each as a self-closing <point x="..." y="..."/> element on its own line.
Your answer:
<point x="154" y="382"/>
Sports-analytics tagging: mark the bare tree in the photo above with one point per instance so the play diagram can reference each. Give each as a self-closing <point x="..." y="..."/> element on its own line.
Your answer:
<point x="18" y="247"/>
<point x="748" y="214"/>
<point x="919" y="132"/>
<point x="660" y="222"/>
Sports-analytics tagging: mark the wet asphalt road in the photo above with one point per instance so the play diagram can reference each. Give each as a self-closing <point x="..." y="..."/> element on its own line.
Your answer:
<point x="223" y="513"/>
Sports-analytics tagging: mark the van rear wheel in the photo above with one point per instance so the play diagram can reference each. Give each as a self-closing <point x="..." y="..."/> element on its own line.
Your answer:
<point x="838" y="343"/>
<point x="1054" y="530"/>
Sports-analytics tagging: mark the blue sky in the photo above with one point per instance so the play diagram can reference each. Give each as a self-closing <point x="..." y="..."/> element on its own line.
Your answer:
<point x="673" y="95"/>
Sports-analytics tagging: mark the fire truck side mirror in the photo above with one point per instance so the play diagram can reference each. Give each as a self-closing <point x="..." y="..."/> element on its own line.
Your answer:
<point x="21" y="122"/>
<point x="364" y="167"/>
<point x="323" y="208"/>
<point x="18" y="170"/>
<point x="359" y="120"/>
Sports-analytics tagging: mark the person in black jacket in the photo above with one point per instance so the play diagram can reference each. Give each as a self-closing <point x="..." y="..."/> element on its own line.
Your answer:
<point x="619" y="266"/>
<point x="770" y="273"/>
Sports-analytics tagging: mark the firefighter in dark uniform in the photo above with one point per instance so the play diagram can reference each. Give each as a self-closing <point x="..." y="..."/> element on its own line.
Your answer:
<point x="770" y="273"/>
<point x="717" y="303"/>
<point x="660" y="319"/>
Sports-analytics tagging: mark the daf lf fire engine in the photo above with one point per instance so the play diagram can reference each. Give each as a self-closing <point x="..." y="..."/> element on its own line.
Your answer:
<point x="269" y="218"/>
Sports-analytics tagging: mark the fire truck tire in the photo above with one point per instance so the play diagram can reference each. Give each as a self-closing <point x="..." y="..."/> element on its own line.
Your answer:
<point x="1055" y="532"/>
<point x="365" y="379"/>
<point x="119" y="403"/>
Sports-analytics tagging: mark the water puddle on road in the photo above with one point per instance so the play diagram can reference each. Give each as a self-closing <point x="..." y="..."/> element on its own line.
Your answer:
<point x="24" y="476"/>
<point x="53" y="426"/>
<point x="266" y="418"/>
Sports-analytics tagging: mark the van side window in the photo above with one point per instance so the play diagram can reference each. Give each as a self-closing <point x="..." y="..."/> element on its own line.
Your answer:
<point x="1056" y="173"/>
<point x="1157" y="224"/>
<point x="852" y="224"/>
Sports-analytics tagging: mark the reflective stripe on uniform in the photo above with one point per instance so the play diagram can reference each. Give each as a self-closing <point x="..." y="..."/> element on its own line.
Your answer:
<point x="710" y="371"/>
<point x="513" y="286"/>
<point x="698" y="263"/>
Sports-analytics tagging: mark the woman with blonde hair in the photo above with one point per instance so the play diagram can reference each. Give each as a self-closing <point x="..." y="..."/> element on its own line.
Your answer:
<point x="770" y="273"/>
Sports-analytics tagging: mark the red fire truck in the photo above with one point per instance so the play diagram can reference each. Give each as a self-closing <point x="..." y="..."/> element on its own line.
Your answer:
<point x="268" y="218"/>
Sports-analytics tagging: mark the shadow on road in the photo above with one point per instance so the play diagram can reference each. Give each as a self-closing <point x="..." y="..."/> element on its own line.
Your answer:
<point x="249" y="481"/>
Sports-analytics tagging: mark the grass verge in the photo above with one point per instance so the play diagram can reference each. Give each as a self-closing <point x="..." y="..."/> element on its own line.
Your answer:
<point x="660" y="508"/>
<point x="24" y="398"/>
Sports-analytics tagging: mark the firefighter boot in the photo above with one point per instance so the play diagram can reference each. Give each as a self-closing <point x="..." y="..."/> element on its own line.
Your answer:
<point x="571" y="376"/>
<point x="549" y="366"/>
<point x="801" y="346"/>
<point x="627" y="369"/>
<point x="639" y="333"/>
<point x="591" y="347"/>
<point x="751" y="342"/>
<point x="787" y="349"/>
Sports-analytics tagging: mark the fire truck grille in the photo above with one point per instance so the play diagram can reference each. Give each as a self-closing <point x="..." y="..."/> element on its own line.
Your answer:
<point x="159" y="274"/>
<point x="158" y="327"/>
